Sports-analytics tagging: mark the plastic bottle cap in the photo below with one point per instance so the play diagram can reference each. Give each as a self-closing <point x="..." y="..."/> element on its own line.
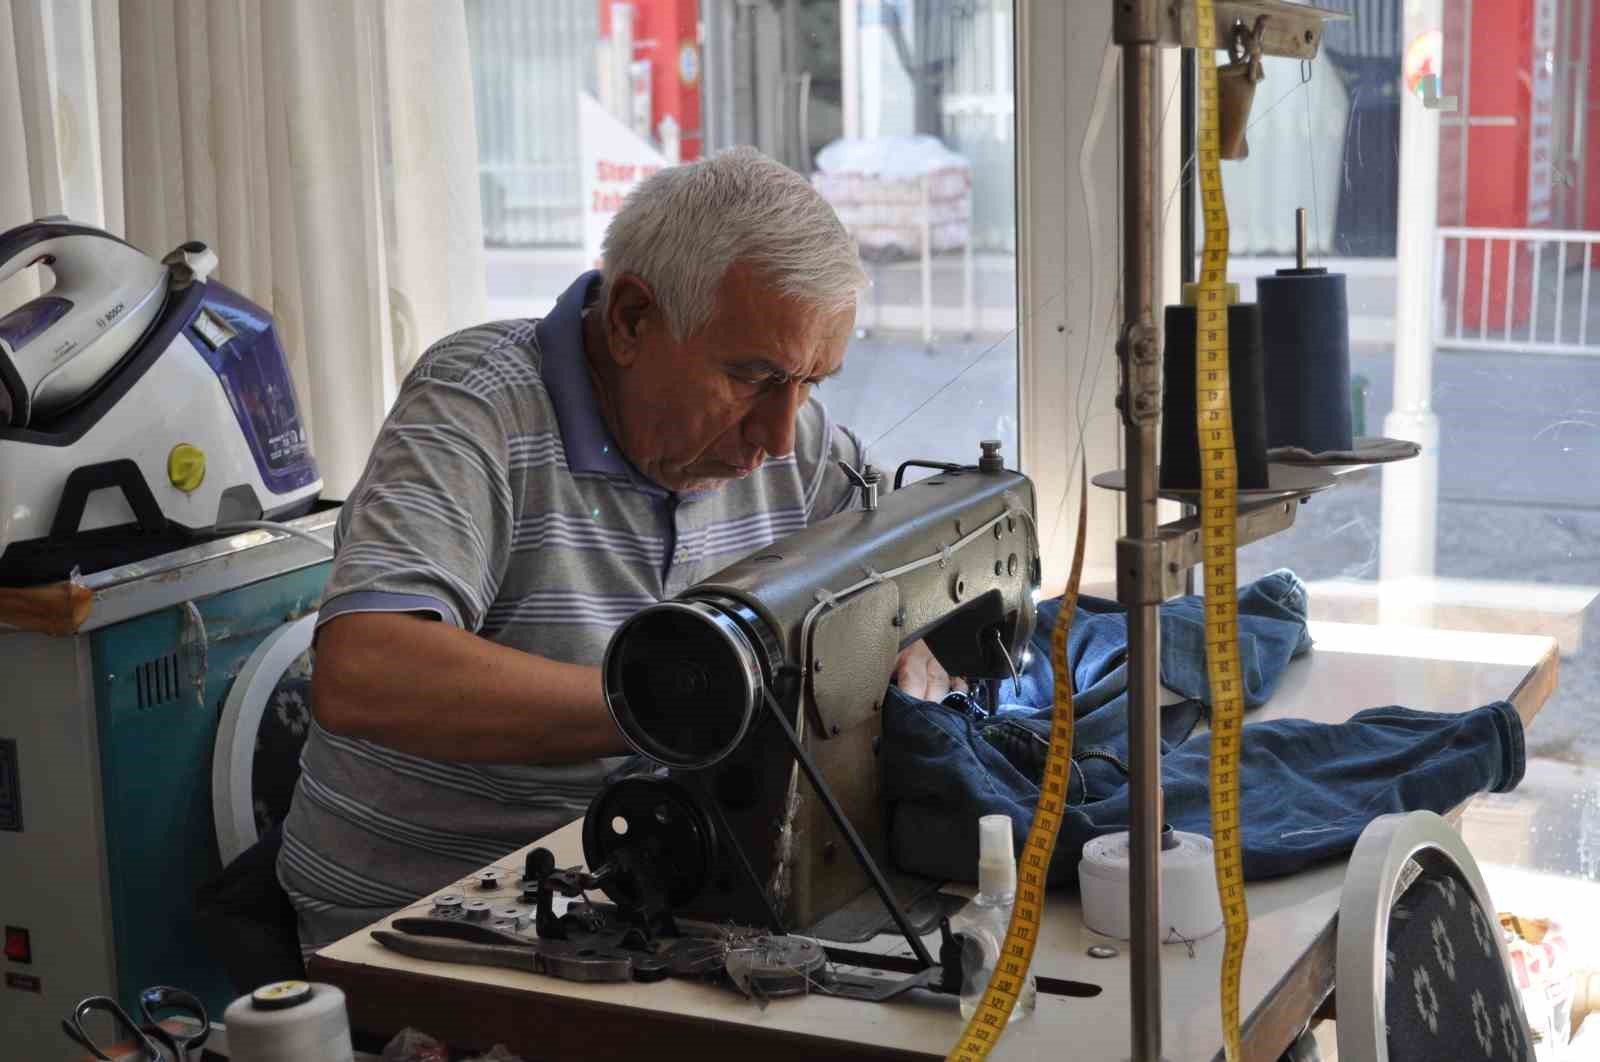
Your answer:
<point x="1191" y="293"/>
<point x="280" y="995"/>
<point x="186" y="467"/>
<point x="997" y="860"/>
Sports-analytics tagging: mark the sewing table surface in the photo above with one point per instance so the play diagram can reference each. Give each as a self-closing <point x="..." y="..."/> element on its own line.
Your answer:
<point x="1288" y="969"/>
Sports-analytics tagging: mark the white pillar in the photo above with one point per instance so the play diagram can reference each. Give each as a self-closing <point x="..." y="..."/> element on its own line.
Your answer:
<point x="870" y="58"/>
<point x="850" y="65"/>
<point x="1411" y="488"/>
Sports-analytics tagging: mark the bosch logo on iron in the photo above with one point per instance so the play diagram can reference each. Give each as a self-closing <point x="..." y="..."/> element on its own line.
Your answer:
<point x="110" y="315"/>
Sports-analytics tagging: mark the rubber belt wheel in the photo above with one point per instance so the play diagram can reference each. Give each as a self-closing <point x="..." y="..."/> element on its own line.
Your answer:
<point x="663" y="825"/>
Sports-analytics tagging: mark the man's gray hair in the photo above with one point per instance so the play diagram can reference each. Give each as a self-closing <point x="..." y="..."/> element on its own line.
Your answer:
<point x="682" y="228"/>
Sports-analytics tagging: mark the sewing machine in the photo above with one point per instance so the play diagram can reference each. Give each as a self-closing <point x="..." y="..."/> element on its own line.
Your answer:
<point x="777" y="666"/>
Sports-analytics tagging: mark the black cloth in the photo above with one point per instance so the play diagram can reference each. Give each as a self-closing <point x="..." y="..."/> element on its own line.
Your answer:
<point x="244" y="911"/>
<point x="248" y="917"/>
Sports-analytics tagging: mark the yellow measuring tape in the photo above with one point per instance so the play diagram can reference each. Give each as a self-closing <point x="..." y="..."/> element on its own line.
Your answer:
<point x="1218" y="516"/>
<point x="983" y="1029"/>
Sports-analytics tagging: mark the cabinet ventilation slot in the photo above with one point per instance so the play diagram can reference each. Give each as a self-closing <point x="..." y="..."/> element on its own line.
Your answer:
<point x="157" y="680"/>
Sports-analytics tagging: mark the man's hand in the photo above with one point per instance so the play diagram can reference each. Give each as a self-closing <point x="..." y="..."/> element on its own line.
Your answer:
<point x="919" y="674"/>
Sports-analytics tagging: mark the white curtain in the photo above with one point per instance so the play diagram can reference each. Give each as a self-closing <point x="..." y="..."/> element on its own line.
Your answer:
<point x="60" y="118"/>
<point x="325" y="149"/>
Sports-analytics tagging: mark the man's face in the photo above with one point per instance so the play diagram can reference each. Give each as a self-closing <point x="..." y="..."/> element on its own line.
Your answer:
<point x="695" y="414"/>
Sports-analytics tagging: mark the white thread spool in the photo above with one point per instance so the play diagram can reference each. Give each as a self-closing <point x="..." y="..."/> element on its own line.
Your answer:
<point x="290" y="1021"/>
<point x="1189" y="906"/>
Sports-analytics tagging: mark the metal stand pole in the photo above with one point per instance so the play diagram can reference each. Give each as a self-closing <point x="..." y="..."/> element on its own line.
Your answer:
<point x="1138" y="557"/>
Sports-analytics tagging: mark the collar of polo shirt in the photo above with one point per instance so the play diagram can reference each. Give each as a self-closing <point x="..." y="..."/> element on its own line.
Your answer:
<point x="588" y="443"/>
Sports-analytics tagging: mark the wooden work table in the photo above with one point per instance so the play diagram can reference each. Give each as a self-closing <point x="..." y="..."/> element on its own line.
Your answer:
<point x="1288" y="969"/>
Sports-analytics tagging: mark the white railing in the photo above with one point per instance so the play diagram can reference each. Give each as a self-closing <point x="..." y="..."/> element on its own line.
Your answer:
<point x="1520" y="290"/>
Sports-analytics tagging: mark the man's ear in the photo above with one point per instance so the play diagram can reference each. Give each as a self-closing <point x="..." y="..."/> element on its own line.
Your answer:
<point x="630" y="313"/>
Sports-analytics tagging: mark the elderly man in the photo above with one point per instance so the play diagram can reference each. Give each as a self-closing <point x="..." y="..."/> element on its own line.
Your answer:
<point x="535" y="484"/>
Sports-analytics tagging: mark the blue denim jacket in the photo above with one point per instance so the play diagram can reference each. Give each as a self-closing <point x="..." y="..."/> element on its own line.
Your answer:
<point x="1308" y="789"/>
<point x="1272" y="630"/>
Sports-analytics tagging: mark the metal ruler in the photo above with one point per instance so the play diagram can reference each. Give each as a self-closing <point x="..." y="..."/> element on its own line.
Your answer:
<point x="983" y="1029"/>
<point x="1218" y="520"/>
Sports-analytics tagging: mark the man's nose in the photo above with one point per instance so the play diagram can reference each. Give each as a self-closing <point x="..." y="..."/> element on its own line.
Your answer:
<point x="770" y="425"/>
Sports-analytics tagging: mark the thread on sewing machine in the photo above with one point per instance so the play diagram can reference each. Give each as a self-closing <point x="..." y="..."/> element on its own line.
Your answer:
<point x="1180" y="452"/>
<point x="778" y="885"/>
<point x="1305" y="331"/>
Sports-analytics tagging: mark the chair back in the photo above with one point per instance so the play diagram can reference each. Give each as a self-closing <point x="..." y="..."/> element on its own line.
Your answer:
<point x="1422" y="970"/>
<point x="256" y="760"/>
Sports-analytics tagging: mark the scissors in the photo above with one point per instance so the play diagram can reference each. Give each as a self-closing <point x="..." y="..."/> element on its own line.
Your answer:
<point x="155" y="1043"/>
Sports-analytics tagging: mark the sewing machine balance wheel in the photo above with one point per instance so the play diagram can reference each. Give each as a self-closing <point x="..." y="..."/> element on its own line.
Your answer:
<point x="684" y="680"/>
<point x="651" y="822"/>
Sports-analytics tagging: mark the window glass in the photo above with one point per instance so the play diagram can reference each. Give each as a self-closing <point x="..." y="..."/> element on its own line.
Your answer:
<point x="899" y="111"/>
<point x="1497" y="527"/>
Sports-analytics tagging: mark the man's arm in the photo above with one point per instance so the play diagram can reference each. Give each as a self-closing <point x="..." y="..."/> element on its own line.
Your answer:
<point x="428" y="531"/>
<point x="430" y="689"/>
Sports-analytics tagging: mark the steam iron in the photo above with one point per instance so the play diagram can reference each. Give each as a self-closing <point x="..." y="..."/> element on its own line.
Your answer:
<point x="142" y="405"/>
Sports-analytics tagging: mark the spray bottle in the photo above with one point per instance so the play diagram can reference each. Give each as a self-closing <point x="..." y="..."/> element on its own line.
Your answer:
<point x="982" y="922"/>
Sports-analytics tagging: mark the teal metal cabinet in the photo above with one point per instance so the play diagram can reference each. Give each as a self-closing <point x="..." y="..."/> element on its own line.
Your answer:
<point x="113" y="731"/>
<point x="160" y="683"/>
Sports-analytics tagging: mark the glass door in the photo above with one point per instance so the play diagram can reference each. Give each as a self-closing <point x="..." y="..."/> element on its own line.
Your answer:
<point x="899" y="111"/>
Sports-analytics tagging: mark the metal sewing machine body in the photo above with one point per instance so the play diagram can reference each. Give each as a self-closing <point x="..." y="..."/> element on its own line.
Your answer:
<point x="792" y="648"/>
<point x="775" y="667"/>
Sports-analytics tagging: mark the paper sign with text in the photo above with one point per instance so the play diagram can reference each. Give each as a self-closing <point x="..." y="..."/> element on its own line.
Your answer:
<point x="614" y="159"/>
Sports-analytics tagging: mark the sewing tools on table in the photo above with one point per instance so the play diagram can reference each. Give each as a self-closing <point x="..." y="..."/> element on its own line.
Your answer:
<point x="155" y="1040"/>
<point x="456" y="941"/>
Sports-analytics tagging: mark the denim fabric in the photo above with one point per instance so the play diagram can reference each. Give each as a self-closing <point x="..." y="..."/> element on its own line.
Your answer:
<point x="1308" y="789"/>
<point x="1272" y="630"/>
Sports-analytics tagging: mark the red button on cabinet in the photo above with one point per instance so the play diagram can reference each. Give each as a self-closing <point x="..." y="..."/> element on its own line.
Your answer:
<point x="18" y="948"/>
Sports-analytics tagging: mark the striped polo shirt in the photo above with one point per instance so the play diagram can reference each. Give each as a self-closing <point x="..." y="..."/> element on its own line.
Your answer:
<point x="496" y="500"/>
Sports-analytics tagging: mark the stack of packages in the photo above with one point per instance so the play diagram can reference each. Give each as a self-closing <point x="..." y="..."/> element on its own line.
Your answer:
<point x="876" y="187"/>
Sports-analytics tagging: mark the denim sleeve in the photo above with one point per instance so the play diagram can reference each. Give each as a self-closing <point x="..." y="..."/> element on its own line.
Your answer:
<point x="1307" y="789"/>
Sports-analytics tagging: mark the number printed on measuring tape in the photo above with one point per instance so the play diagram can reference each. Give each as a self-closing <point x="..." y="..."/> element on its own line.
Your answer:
<point x="1218" y="520"/>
